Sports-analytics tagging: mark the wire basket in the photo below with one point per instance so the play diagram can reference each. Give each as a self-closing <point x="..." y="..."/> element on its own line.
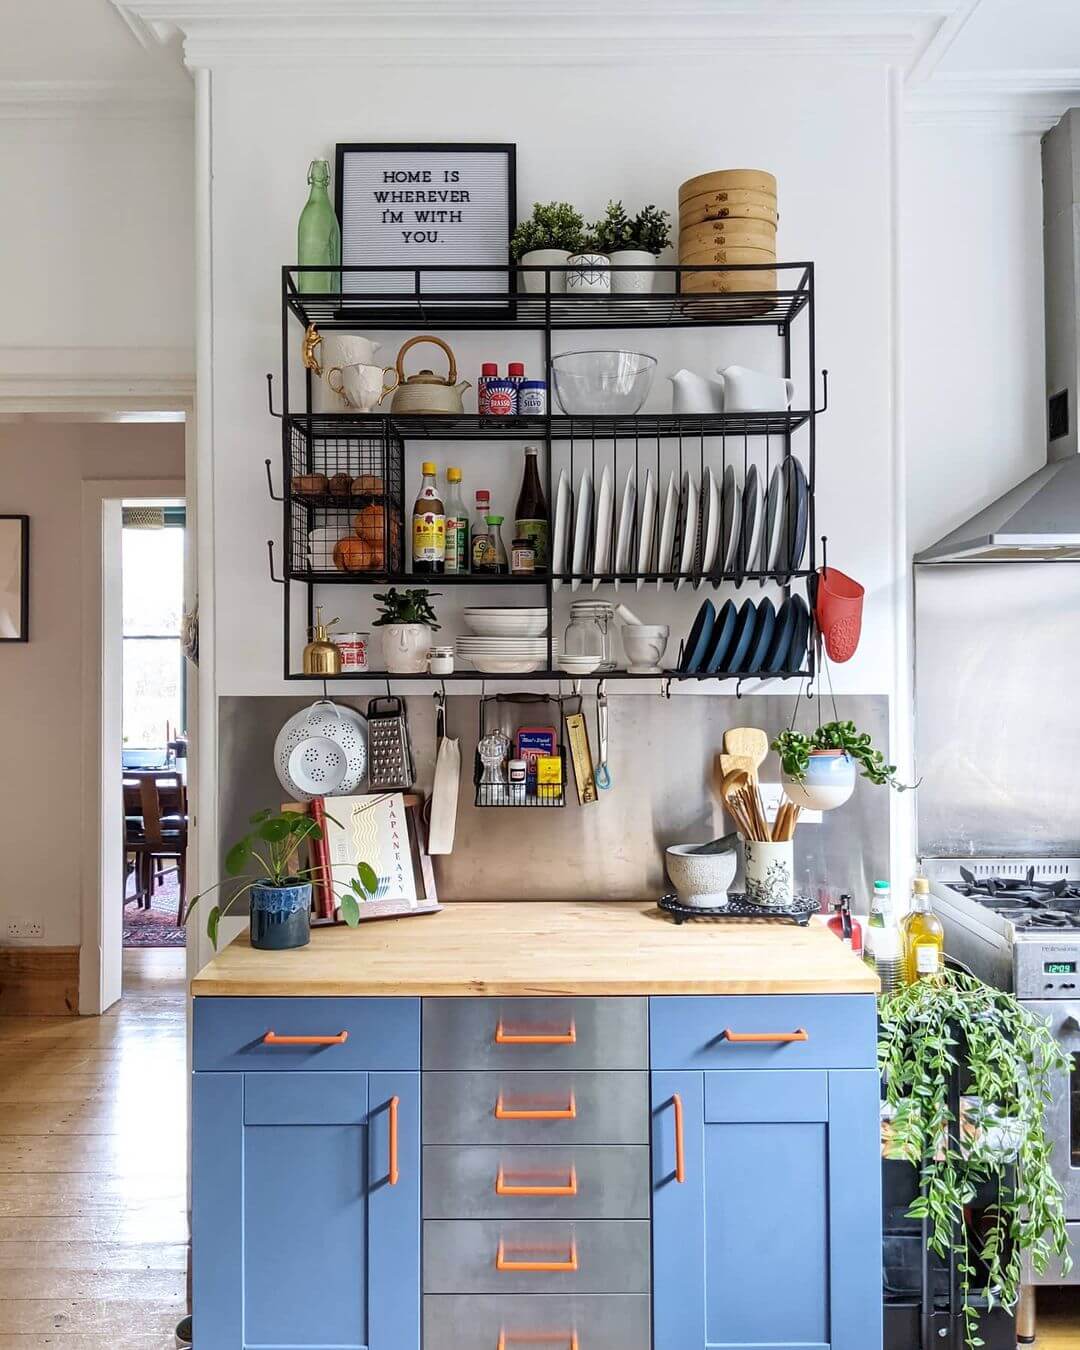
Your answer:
<point x="532" y="793"/>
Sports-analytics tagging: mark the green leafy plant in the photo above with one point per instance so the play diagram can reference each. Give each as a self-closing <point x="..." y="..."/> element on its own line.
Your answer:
<point x="649" y="230"/>
<point x="551" y="225"/>
<point x="264" y="857"/>
<point x="405" y="607"/>
<point x="794" y="749"/>
<point x="1005" y="1056"/>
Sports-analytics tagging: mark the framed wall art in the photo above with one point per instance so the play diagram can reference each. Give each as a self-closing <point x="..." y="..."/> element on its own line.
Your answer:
<point x="14" y="578"/>
<point x="427" y="206"/>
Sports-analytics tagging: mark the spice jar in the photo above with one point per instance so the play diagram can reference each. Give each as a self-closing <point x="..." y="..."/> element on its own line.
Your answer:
<point x="441" y="661"/>
<point x="353" y="648"/>
<point x="523" y="557"/>
<point x="517" y="771"/>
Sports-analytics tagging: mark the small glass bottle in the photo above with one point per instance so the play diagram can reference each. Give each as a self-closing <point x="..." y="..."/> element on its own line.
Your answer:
<point x="478" y="544"/>
<point x="502" y="565"/>
<point x="318" y="235"/>
<point x="428" y="525"/>
<point x="884" y="949"/>
<point x="457" y="526"/>
<point x="924" y="936"/>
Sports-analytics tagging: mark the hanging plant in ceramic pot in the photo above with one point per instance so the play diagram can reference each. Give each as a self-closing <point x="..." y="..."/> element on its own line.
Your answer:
<point x="818" y="770"/>
<point x="547" y="239"/>
<point x="633" y="241"/>
<point x="407" y="621"/>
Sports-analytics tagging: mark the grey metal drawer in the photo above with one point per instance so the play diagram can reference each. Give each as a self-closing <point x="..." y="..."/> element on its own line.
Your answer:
<point x="536" y="1033"/>
<point x="536" y="1256"/>
<point x="600" y="1322"/>
<point x="538" y="1181"/>
<point x="472" y="1107"/>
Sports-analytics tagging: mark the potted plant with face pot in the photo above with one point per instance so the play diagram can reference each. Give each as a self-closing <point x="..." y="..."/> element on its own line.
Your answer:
<point x="633" y="241"/>
<point x="818" y="770"/>
<point x="547" y="239"/>
<point x="262" y="865"/>
<point x="407" y="621"/>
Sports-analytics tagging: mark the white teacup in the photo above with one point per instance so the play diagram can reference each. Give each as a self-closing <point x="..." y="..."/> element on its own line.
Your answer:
<point x="338" y="349"/>
<point x="362" y="386"/>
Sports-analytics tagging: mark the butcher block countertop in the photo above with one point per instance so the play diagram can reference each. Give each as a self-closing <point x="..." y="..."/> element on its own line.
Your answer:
<point x="508" y="948"/>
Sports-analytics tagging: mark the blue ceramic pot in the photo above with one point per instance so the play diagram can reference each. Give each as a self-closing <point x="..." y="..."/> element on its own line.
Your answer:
<point x="281" y="916"/>
<point x="829" y="781"/>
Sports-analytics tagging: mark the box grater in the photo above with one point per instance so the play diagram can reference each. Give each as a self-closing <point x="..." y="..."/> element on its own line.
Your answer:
<point x="389" y="753"/>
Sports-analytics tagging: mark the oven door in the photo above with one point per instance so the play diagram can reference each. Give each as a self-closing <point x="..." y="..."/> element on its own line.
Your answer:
<point x="1063" y="1110"/>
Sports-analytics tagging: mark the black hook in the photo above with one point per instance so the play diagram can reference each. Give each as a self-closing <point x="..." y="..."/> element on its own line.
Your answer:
<point x="270" y="551"/>
<point x="270" y="394"/>
<point x="270" y="485"/>
<point x="824" y="552"/>
<point x="824" y="393"/>
<point x="738" y="688"/>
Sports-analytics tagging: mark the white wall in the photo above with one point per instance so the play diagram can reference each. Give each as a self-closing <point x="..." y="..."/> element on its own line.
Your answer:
<point x="41" y="727"/>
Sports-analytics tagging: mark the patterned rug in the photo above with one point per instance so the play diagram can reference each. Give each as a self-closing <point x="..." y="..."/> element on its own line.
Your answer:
<point x="156" y="926"/>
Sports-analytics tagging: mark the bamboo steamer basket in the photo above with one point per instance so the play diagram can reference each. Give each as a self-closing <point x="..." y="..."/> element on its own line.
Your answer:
<point x="704" y="256"/>
<point x="761" y="215"/>
<point x="734" y="234"/>
<point x="727" y="283"/>
<point x="693" y="206"/>
<point x="755" y="180"/>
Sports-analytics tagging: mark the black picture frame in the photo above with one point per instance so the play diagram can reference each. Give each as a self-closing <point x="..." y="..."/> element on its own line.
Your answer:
<point x="475" y="290"/>
<point x="18" y="584"/>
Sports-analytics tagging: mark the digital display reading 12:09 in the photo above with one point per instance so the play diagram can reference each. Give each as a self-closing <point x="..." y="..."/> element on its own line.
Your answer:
<point x="1059" y="968"/>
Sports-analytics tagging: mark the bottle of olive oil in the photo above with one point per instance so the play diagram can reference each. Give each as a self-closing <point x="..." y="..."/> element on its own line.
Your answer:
<point x="924" y="937"/>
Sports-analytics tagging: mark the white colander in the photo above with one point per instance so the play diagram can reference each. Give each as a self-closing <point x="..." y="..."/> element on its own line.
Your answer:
<point x="322" y="734"/>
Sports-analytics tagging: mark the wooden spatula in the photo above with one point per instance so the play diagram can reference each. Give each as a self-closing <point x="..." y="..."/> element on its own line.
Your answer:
<point x="729" y="763"/>
<point x="749" y="741"/>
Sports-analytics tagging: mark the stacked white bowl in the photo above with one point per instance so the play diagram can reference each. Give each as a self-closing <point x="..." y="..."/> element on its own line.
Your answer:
<point x="505" y="641"/>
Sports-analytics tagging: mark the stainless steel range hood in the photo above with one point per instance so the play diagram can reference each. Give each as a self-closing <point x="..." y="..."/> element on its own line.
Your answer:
<point x="1039" y="520"/>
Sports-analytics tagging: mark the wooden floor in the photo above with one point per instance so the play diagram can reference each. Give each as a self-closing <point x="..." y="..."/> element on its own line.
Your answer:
<point x="93" y="1207"/>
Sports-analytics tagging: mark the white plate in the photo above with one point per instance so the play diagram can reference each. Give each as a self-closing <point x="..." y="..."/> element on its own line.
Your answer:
<point x="561" y="533"/>
<point x="710" y="525"/>
<point x="582" y="528"/>
<point x="491" y="625"/>
<point x="490" y="665"/>
<point x="646" y="557"/>
<point x="773" y="533"/>
<point x="605" y="508"/>
<point x="484" y="644"/>
<point x="624" y="539"/>
<point x="731" y="515"/>
<point x="578" y="667"/>
<point x="667" y="528"/>
<point x="752" y="516"/>
<point x="689" y="525"/>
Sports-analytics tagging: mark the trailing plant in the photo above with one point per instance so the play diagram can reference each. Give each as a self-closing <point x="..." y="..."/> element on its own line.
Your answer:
<point x="551" y="225"/>
<point x="794" y="749"/>
<point x="1005" y="1056"/>
<point x="649" y="230"/>
<point x="405" y="607"/>
<point x="264" y="857"/>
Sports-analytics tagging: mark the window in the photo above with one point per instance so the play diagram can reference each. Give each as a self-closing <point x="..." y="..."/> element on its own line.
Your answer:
<point x="153" y="581"/>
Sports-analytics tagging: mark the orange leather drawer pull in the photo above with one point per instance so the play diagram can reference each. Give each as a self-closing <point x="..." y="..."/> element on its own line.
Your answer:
<point x="680" y="1152"/>
<point x="395" y="1102"/>
<point x="567" y="1112"/>
<point x="509" y="1338"/>
<point x="503" y="1036"/>
<point x="763" y="1037"/>
<point x="272" y="1038"/>
<point x="570" y="1264"/>
<point x="504" y="1187"/>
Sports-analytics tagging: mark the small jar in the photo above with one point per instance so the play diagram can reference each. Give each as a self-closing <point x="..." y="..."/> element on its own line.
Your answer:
<point x="585" y="636"/>
<point x="523" y="557"/>
<point x="441" y="661"/>
<point x="532" y="398"/>
<point x="353" y="648"/>
<point x="517" y="772"/>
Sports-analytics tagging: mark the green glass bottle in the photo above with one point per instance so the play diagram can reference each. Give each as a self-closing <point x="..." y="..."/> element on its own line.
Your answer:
<point x="318" y="235"/>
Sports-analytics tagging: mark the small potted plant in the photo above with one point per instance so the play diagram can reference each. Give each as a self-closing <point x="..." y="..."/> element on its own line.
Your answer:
<point x="547" y="239"/>
<point x="407" y="621"/>
<point x="589" y="269"/>
<point x="818" y="770"/>
<point x="261" y="865"/>
<point x="633" y="241"/>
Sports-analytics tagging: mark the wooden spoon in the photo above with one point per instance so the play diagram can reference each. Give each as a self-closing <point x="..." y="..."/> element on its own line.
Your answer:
<point x="729" y="764"/>
<point x="749" y="741"/>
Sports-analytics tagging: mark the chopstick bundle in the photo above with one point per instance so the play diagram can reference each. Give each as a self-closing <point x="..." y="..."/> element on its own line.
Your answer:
<point x="786" y="820"/>
<point x="743" y="802"/>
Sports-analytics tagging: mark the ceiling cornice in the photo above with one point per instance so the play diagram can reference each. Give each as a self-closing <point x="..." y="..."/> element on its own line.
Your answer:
<point x="565" y="32"/>
<point x="987" y="110"/>
<point x="33" y="378"/>
<point x="76" y="99"/>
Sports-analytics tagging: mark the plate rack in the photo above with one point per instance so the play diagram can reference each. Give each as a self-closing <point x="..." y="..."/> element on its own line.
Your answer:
<point x="361" y="455"/>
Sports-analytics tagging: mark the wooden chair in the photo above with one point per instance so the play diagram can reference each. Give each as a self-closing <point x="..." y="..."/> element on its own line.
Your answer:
<point x="156" y="830"/>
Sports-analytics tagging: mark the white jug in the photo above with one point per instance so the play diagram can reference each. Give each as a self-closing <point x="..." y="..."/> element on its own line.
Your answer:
<point x="692" y="393"/>
<point x="753" y="391"/>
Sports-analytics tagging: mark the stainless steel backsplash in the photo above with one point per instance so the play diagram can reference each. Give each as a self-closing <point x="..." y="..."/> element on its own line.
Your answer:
<point x="661" y="756"/>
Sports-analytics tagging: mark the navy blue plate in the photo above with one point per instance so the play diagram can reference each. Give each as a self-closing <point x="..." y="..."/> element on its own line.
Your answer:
<point x="795" y="657"/>
<point x="723" y="632"/>
<point x="778" y="649"/>
<point x="744" y="634"/>
<point x="697" y="644"/>
<point x="762" y="639"/>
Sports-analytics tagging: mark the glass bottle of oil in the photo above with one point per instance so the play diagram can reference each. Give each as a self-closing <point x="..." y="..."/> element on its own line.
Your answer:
<point x="924" y="937"/>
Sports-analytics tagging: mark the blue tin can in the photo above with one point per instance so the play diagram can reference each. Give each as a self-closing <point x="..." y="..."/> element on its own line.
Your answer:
<point x="532" y="398"/>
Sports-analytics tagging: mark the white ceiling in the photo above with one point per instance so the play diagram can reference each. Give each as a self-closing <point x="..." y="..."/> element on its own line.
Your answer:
<point x="1009" y="36"/>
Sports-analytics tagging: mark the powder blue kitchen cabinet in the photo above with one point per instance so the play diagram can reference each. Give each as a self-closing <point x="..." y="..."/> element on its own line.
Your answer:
<point x="766" y="1179"/>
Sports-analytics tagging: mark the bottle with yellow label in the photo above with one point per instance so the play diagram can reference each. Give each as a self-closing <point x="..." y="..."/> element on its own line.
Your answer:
<point x="429" y="526"/>
<point x="924" y="937"/>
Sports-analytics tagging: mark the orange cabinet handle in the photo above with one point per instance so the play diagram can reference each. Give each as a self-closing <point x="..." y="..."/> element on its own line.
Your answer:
<point x="507" y="1338"/>
<point x="680" y="1154"/>
<point x="567" y="1112"/>
<point x="741" y="1037"/>
<point x="571" y="1263"/>
<point x="395" y="1102"/>
<point x="504" y="1037"/>
<point x="503" y="1187"/>
<point x="272" y="1038"/>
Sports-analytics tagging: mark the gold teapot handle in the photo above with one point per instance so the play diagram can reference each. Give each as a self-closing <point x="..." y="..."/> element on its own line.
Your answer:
<point x="423" y="337"/>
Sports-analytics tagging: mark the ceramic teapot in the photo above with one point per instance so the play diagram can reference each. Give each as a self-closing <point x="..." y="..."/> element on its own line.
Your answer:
<point x="753" y="391"/>
<point x="426" y="392"/>
<point x="692" y="393"/>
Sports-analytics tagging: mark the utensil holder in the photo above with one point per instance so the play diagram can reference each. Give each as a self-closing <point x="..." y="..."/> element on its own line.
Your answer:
<point x="769" y="872"/>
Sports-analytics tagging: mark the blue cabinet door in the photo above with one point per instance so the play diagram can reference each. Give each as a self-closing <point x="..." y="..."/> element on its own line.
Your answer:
<point x="306" y="1211"/>
<point x="766" y="1210"/>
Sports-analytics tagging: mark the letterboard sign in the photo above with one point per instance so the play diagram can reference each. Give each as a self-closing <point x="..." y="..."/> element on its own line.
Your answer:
<point x="424" y="206"/>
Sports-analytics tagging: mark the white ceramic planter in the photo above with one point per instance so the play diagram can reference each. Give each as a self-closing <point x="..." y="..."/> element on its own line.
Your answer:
<point x="769" y="872"/>
<point x="533" y="282"/>
<point x="639" y="282"/>
<point x="405" y="648"/>
<point x="829" y="781"/>
<point x="589" y="273"/>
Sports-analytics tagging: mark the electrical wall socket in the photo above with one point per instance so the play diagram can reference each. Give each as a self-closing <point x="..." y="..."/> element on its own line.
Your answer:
<point x="26" y="929"/>
<point x="772" y="794"/>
